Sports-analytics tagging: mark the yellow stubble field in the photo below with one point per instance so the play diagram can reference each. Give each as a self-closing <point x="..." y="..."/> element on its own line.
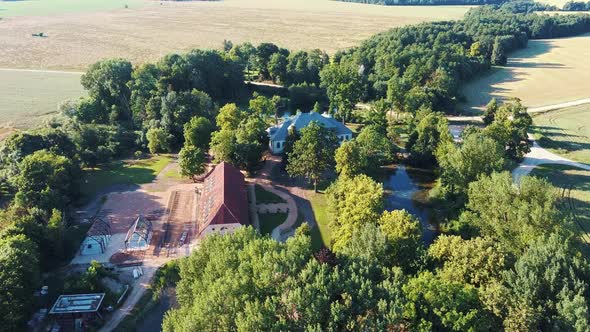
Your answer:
<point x="547" y="72"/>
<point x="145" y="33"/>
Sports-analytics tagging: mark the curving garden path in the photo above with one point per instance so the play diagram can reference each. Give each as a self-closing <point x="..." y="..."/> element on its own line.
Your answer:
<point x="281" y="232"/>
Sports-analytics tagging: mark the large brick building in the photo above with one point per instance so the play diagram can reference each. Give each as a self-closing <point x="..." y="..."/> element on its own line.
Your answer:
<point x="223" y="205"/>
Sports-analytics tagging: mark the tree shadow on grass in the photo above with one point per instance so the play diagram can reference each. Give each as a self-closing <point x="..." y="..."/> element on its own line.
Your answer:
<point x="481" y="89"/>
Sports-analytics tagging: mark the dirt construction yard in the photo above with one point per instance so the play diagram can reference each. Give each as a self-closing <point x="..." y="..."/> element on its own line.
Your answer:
<point x="546" y="72"/>
<point x="156" y="28"/>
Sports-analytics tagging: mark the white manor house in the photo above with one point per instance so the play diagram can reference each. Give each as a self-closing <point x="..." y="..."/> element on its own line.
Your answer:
<point x="278" y="134"/>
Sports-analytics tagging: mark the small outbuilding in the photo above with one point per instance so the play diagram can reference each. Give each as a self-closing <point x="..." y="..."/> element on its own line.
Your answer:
<point x="97" y="239"/>
<point x="75" y="312"/>
<point x="139" y="235"/>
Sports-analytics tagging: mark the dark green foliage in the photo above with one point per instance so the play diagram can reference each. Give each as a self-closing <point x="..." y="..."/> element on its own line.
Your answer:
<point x="19" y="277"/>
<point x="459" y="166"/>
<point x="549" y="283"/>
<point x="18" y="146"/>
<point x="431" y="131"/>
<point x="313" y="153"/>
<point x="191" y="161"/>
<point x="424" y="65"/>
<point x="107" y="85"/>
<point x="47" y="181"/>
<point x="510" y="127"/>
<point x="197" y="132"/>
<point x="576" y="6"/>
<point x="241" y="146"/>
<point x="514" y="216"/>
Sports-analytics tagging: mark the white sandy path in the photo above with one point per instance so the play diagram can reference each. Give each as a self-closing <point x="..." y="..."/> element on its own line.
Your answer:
<point x="539" y="156"/>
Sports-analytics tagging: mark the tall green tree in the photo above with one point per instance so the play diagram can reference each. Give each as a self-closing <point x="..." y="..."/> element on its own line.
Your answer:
<point x="313" y="153"/>
<point x="191" y="161"/>
<point x="354" y="202"/>
<point x="107" y="85"/>
<point x="404" y="233"/>
<point x="19" y="277"/>
<point x="344" y="86"/>
<point x="548" y="287"/>
<point x="47" y="181"/>
<point x="158" y="140"/>
<point x="431" y="130"/>
<point x="197" y="132"/>
<point x="478" y="155"/>
<point x="349" y="159"/>
<point x="277" y="68"/>
<point x="229" y="117"/>
<point x="514" y="215"/>
<point x="375" y="146"/>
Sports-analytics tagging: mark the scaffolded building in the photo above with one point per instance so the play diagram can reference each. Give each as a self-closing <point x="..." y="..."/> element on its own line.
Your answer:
<point x="139" y="235"/>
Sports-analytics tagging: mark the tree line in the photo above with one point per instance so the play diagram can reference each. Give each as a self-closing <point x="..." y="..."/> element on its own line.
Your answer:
<point x="427" y="2"/>
<point x="576" y="6"/>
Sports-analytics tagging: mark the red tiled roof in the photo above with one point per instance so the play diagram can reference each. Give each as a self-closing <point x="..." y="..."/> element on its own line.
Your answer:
<point x="224" y="199"/>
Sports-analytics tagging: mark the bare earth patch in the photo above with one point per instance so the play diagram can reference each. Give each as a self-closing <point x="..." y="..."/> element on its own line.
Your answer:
<point x="546" y="72"/>
<point x="76" y="40"/>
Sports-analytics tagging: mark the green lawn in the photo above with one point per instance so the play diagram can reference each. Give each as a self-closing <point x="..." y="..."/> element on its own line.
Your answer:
<point x="54" y="7"/>
<point x="270" y="221"/>
<point x="133" y="172"/>
<point x="321" y="236"/>
<point x="579" y="180"/>
<point x="264" y="196"/>
<point x="565" y="132"/>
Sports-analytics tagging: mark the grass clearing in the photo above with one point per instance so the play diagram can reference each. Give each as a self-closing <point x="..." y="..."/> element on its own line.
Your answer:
<point x="547" y="72"/>
<point x="143" y="33"/>
<point x="565" y="132"/>
<point x="55" y="7"/>
<point x="27" y="98"/>
<point x="579" y="180"/>
<point x="264" y="196"/>
<point x="321" y="236"/>
<point x="269" y="221"/>
<point x="129" y="173"/>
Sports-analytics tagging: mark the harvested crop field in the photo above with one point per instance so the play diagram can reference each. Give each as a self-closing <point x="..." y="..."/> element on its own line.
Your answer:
<point x="75" y="40"/>
<point x="27" y="98"/>
<point x="565" y="132"/>
<point x="546" y="72"/>
<point x="52" y="7"/>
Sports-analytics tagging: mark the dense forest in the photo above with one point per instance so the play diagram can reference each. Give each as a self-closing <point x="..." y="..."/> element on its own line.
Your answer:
<point x="576" y="6"/>
<point x="508" y="259"/>
<point x="427" y="2"/>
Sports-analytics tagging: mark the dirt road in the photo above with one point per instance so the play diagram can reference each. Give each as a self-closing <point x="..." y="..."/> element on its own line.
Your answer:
<point x="539" y="156"/>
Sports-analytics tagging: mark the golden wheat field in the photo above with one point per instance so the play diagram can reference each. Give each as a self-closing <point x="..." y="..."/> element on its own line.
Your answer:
<point x="547" y="72"/>
<point x="75" y="40"/>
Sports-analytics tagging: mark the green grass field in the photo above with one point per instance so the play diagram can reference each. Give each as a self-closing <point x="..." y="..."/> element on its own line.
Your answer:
<point x="579" y="182"/>
<point x="321" y="235"/>
<point x="264" y="196"/>
<point x="565" y="132"/>
<point x="270" y="221"/>
<point x="123" y="173"/>
<point x="28" y="98"/>
<point x="54" y="7"/>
